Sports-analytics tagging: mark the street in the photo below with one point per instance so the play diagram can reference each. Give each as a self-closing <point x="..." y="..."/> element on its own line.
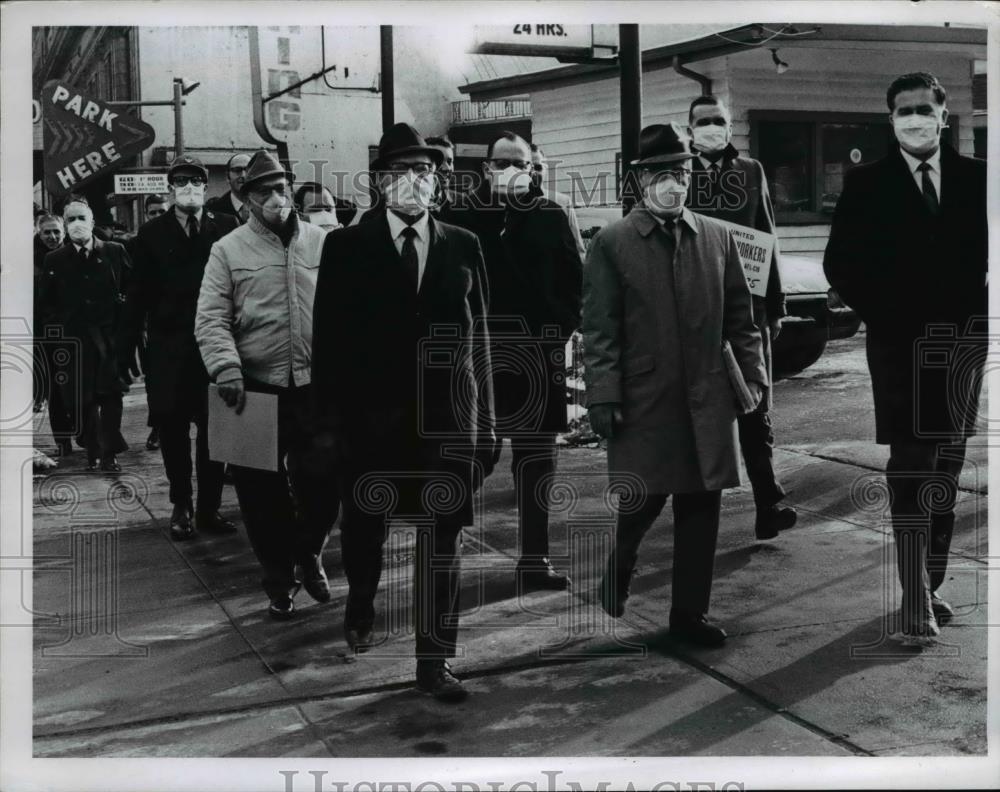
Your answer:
<point x="145" y="647"/>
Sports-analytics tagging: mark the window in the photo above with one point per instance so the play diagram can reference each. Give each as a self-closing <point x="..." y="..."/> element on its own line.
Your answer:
<point x="805" y="157"/>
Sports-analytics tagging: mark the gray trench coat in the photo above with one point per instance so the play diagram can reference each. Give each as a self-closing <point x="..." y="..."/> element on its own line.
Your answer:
<point x="653" y="337"/>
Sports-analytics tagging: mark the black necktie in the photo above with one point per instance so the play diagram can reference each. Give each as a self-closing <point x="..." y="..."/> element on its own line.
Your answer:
<point x="192" y="226"/>
<point x="927" y="187"/>
<point x="411" y="262"/>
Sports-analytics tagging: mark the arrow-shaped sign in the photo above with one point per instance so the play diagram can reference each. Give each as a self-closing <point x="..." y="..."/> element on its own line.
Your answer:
<point x="85" y="138"/>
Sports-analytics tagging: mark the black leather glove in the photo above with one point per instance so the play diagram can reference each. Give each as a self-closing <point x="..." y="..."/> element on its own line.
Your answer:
<point x="604" y="418"/>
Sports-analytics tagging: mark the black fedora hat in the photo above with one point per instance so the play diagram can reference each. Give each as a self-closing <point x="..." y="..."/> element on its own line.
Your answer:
<point x="403" y="139"/>
<point x="263" y="165"/>
<point x="663" y="143"/>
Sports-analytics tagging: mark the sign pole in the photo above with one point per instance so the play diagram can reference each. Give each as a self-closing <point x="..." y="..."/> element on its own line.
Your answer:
<point x="388" y="86"/>
<point x="630" y="77"/>
<point x="178" y="122"/>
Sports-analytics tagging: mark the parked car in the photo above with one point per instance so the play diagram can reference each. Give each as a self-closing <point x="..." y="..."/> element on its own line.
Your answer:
<point x="816" y="314"/>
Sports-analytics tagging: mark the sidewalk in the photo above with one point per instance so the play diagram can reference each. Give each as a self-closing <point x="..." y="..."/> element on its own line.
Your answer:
<point x="172" y="653"/>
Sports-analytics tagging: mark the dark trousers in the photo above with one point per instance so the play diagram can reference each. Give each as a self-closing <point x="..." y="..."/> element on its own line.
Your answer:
<point x="923" y="480"/>
<point x="60" y="418"/>
<point x="533" y="465"/>
<point x="288" y="514"/>
<point x="175" y="446"/>
<point x="102" y="423"/>
<point x="757" y="447"/>
<point x="696" y="528"/>
<point x="437" y="566"/>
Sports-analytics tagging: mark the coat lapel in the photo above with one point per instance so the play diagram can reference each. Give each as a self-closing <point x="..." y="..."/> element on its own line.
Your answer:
<point x="436" y="254"/>
<point x="910" y="194"/>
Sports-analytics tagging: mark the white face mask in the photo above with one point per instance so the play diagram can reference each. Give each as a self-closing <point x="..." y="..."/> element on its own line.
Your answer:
<point x="190" y="196"/>
<point x="80" y="230"/>
<point x="411" y="193"/>
<point x="918" y="134"/>
<point x="275" y="209"/>
<point x="325" y="219"/>
<point x="709" y="139"/>
<point x="665" y="197"/>
<point x="510" y="181"/>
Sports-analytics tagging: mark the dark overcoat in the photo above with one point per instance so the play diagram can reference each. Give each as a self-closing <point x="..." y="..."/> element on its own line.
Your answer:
<point x="163" y="292"/>
<point x="919" y="283"/>
<point x="402" y="378"/>
<point x="655" y="317"/>
<point x="535" y="282"/>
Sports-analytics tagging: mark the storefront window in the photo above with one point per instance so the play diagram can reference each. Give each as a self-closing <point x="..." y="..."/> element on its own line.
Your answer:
<point x="844" y="146"/>
<point x="786" y="150"/>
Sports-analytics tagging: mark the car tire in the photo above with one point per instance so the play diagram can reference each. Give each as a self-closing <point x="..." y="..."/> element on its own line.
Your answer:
<point x="798" y="358"/>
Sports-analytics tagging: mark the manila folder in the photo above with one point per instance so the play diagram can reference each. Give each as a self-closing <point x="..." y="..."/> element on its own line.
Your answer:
<point x="249" y="439"/>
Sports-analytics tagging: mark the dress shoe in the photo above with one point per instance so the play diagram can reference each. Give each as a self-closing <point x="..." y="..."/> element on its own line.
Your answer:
<point x="771" y="520"/>
<point x="943" y="611"/>
<point x="697" y="630"/>
<point x="181" y="525"/>
<point x="64" y="448"/>
<point x="214" y="523"/>
<point x="110" y="465"/>
<point x="315" y="582"/>
<point x="153" y="441"/>
<point x="93" y="464"/>
<point x="435" y="678"/>
<point x="359" y="639"/>
<point x="281" y="608"/>
<point x="923" y="635"/>
<point x="612" y="601"/>
<point x="540" y="575"/>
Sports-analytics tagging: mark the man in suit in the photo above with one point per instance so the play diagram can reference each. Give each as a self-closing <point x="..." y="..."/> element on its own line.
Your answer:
<point x="729" y="187"/>
<point x="540" y="178"/>
<point x="82" y="293"/>
<point x="402" y="378"/>
<point x="444" y="195"/>
<point x="664" y="290"/>
<point x="169" y="255"/>
<point x="231" y="201"/>
<point x="908" y="251"/>
<point x="534" y="272"/>
<point x="254" y="329"/>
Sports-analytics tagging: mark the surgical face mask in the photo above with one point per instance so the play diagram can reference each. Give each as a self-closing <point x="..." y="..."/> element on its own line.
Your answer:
<point x="275" y="210"/>
<point x="916" y="133"/>
<point x="710" y="138"/>
<point x="190" y="196"/>
<point x="510" y="181"/>
<point x="323" y="218"/>
<point x="665" y="197"/>
<point x="80" y="230"/>
<point x="411" y="193"/>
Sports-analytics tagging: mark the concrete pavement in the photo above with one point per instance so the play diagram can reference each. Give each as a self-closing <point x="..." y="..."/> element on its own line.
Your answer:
<point x="145" y="647"/>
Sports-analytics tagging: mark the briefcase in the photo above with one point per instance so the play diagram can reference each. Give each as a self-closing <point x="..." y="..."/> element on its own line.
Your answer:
<point x="745" y="402"/>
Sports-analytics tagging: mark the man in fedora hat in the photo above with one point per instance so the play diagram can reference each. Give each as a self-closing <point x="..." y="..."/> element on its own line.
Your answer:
<point x="401" y="369"/>
<point x="663" y="290"/>
<point x="254" y="328"/>
<point x="169" y="254"/>
<point x="534" y="270"/>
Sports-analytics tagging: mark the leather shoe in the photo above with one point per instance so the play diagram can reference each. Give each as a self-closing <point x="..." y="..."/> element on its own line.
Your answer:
<point x="181" y="525"/>
<point x="315" y="582"/>
<point x="110" y="465"/>
<point x="436" y="679"/>
<point x="771" y="520"/>
<point x="153" y="441"/>
<point x="613" y="602"/>
<point x="281" y="608"/>
<point x="64" y="448"/>
<point x="93" y="464"/>
<point x="697" y="630"/>
<point x="540" y="575"/>
<point x="943" y="611"/>
<point x="359" y="639"/>
<point x="214" y="523"/>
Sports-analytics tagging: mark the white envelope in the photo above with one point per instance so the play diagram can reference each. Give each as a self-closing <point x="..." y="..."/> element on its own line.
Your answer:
<point x="249" y="439"/>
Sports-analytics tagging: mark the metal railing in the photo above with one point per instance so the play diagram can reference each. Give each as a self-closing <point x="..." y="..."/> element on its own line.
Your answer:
<point x="469" y="112"/>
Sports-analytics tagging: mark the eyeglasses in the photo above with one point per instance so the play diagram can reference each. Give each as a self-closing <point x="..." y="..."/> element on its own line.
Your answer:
<point x="263" y="192"/>
<point x="503" y="164"/>
<point x="419" y="168"/>
<point x="238" y="169"/>
<point x="681" y="176"/>
<point x="183" y="181"/>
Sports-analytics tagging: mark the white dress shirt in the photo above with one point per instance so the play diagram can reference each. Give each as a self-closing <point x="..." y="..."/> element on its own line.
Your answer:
<point x="421" y="240"/>
<point x="88" y="246"/>
<point x="935" y="172"/>
<point x="182" y="218"/>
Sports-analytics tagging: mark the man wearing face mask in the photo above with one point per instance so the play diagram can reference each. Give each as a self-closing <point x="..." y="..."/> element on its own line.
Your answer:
<point x="729" y="187"/>
<point x="317" y="206"/>
<point x="231" y="202"/>
<point x="402" y="376"/>
<point x="663" y="290"/>
<point x="540" y="178"/>
<point x="534" y="270"/>
<point x="254" y="329"/>
<point x="908" y="251"/>
<point x="82" y="294"/>
<point x="169" y="254"/>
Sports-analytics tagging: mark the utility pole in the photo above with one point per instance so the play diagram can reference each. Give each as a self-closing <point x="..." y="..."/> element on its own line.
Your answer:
<point x="630" y="77"/>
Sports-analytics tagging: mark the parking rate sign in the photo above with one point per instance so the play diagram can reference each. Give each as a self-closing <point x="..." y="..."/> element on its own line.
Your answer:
<point x="84" y="138"/>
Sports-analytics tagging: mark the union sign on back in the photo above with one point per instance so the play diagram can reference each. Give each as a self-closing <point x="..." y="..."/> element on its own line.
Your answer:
<point x="85" y="138"/>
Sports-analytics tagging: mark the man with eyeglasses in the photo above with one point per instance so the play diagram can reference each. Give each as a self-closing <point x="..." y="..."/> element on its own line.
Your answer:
<point x="540" y="178"/>
<point x="169" y="254"/>
<point x="231" y="201"/>
<point x="534" y="270"/>
<point x="254" y="328"/>
<point x="729" y="187"/>
<point x="664" y="291"/>
<point x="402" y="377"/>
